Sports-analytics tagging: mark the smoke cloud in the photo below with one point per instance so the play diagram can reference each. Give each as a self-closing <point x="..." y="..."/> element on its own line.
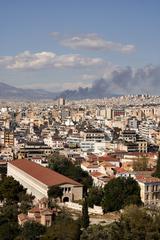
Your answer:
<point x="121" y="81"/>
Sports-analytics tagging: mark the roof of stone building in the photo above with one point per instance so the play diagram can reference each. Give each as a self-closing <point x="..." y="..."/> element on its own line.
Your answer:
<point x="42" y="174"/>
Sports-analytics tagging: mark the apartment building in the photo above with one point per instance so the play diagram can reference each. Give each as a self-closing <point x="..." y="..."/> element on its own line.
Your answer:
<point x="150" y="190"/>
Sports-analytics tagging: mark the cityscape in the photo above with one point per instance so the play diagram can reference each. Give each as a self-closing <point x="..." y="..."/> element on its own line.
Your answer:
<point x="79" y="120"/>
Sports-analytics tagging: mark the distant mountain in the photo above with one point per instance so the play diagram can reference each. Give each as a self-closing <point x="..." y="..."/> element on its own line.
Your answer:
<point x="10" y="92"/>
<point x="99" y="89"/>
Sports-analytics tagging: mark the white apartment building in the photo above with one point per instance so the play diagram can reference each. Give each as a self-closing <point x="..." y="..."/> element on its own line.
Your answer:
<point x="145" y="130"/>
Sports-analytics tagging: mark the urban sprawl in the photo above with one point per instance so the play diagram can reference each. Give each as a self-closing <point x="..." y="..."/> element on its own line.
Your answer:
<point x="106" y="139"/>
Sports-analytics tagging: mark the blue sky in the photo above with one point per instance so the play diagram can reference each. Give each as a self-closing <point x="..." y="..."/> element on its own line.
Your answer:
<point x="60" y="44"/>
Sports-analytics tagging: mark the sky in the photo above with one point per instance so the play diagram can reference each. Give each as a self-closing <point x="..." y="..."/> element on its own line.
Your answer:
<point x="66" y="44"/>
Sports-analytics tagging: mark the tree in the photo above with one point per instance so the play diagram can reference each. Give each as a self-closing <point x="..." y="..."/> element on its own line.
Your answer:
<point x="26" y="202"/>
<point x="85" y="215"/>
<point x="64" y="228"/>
<point x="9" y="228"/>
<point x="55" y="192"/>
<point x="157" y="171"/>
<point x="64" y="166"/>
<point x="95" y="196"/>
<point x="141" y="164"/>
<point x="94" y="232"/>
<point x="14" y="196"/>
<point x="120" y="192"/>
<point x="32" y="230"/>
<point x="137" y="223"/>
<point x="134" y="223"/>
<point x="11" y="190"/>
<point x="9" y="212"/>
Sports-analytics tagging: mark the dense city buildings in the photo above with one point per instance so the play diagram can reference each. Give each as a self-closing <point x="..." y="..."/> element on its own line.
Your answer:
<point x="103" y="139"/>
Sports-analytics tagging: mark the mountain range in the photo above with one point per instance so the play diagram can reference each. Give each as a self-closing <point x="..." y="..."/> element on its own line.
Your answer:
<point x="99" y="89"/>
<point x="10" y="92"/>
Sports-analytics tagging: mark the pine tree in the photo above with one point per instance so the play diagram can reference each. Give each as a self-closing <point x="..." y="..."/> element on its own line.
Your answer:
<point x="157" y="171"/>
<point x="85" y="215"/>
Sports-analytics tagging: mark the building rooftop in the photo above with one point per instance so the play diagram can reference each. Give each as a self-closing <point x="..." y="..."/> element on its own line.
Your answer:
<point x="42" y="174"/>
<point x="144" y="179"/>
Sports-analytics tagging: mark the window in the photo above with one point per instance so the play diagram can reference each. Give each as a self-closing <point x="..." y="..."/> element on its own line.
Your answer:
<point x="47" y="223"/>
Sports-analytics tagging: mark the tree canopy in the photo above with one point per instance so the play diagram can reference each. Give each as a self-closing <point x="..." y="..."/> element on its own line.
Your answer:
<point x="141" y="164"/>
<point x="95" y="196"/>
<point x="55" y="192"/>
<point x="120" y="192"/>
<point x="157" y="171"/>
<point x="64" y="228"/>
<point x="64" y="166"/>
<point x="134" y="223"/>
<point x="32" y="230"/>
<point x="11" y="190"/>
<point x="15" y="200"/>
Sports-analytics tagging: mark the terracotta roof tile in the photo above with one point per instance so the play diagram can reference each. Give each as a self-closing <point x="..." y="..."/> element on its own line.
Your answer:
<point x="42" y="174"/>
<point x="22" y="217"/>
<point x="144" y="179"/>
<point x="96" y="174"/>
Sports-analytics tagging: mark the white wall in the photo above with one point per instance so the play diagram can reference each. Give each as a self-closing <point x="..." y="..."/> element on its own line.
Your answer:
<point x="38" y="189"/>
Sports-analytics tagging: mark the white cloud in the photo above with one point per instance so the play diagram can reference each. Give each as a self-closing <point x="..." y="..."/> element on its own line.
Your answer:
<point x="92" y="42"/>
<point x="34" y="61"/>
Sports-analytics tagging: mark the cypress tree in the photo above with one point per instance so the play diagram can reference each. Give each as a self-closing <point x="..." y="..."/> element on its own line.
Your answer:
<point x="85" y="215"/>
<point x="157" y="171"/>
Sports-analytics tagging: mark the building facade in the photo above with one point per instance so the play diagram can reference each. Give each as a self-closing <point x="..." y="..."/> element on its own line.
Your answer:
<point x="38" y="179"/>
<point x="150" y="190"/>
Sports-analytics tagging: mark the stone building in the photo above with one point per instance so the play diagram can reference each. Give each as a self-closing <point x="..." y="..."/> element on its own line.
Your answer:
<point x="150" y="190"/>
<point x="40" y="213"/>
<point x="38" y="179"/>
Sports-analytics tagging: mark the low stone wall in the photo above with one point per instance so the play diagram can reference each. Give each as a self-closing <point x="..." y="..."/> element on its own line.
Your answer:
<point x="75" y="206"/>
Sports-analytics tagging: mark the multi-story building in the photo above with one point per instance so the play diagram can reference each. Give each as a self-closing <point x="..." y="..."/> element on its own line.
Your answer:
<point x="34" y="149"/>
<point x="129" y="135"/>
<point x="8" y="138"/>
<point x="133" y="123"/>
<point x="93" y="135"/>
<point x="61" y="102"/>
<point x="150" y="190"/>
<point x="145" y="130"/>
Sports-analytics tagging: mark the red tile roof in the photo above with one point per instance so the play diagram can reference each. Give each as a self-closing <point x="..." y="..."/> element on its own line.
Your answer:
<point x="42" y="174"/>
<point x="96" y="174"/>
<point x="144" y="179"/>
<point x="108" y="158"/>
<point x="120" y="170"/>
